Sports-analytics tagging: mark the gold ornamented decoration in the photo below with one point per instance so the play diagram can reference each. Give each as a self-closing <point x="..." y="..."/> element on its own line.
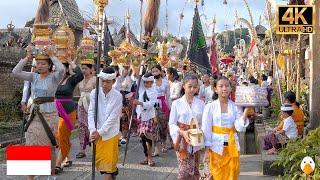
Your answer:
<point x="86" y="50"/>
<point x="63" y="37"/>
<point x="127" y="54"/>
<point x="162" y="58"/>
<point x="41" y="39"/>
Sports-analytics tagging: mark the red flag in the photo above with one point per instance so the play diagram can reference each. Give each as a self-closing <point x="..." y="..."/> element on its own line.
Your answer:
<point x="252" y="44"/>
<point x="253" y="50"/>
<point x="213" y="56"/>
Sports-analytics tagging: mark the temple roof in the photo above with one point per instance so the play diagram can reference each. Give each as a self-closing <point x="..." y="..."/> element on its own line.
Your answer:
<point x="261" y="30"/>
<point x="66" y="10"/>
<point x="121" y="36"/>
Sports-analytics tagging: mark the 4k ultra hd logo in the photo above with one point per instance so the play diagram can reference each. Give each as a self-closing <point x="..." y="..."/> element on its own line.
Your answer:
<point x="296" y="19"/>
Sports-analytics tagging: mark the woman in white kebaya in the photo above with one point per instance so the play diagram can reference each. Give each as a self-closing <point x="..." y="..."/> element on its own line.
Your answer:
<point x="220" y="122"/>
<point x="146" y="115"/>
<point x="162" y="88"/>
<point x="183" y="110"/>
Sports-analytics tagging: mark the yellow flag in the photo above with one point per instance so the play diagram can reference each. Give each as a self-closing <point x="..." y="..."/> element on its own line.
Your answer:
<point x="280" y="61"/>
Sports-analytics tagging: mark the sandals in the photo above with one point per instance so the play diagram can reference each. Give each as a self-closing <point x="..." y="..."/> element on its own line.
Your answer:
<point x="145" y="162"/>
<point x="155" y="155"/>
<point x="68" y="164"/>
<point x="57" y="170"/>
<point x="152" y="164"/>
<point x="164" y="150"/>
<point x="80" y="155"/>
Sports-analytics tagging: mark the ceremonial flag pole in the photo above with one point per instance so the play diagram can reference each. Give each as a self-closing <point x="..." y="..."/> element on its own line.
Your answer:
<point x="197" y="47"/>
<point x="101" y="4"/>
<point x="150" y="21"/>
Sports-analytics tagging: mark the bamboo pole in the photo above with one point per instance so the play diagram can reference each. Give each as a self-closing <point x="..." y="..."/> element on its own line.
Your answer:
<point x="101" y="5"/>
<point x="274" y="52"/>
<point x="298" y="68"/>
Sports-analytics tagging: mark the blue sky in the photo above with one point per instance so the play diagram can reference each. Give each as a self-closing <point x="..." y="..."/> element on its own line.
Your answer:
<point x="19" y="11"/>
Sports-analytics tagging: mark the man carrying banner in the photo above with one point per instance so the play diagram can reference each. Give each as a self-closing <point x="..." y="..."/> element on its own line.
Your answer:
<point x="105" y="136"/>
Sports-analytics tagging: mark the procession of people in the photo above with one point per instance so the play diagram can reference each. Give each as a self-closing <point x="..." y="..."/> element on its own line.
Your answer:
<point x="164" y="111"/>
<point x="172" y="106"/>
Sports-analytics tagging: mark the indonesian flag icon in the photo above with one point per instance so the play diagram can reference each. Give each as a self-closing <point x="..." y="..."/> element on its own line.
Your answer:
<point x="28" y="160"/>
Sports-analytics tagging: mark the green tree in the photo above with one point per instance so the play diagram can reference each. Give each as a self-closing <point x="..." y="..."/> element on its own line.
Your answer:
<point x="242" y="33"/>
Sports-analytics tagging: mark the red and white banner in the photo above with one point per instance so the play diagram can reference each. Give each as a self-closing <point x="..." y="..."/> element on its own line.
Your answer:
<point x="29" y="160"/>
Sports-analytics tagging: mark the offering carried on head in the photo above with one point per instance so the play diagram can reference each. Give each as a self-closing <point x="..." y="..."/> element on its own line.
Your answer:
<point x="63" y="37"/>
<point x="40" y="41"/>
<point x="87" y="47"/>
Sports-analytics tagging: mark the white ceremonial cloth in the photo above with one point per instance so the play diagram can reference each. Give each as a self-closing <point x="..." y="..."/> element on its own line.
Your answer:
<point x="109" y="111"/>
<point x="182" y="112"/>
<point x="212" y="116"/>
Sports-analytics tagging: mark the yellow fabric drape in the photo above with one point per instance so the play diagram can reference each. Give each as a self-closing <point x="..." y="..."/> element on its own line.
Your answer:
<point x="107" y="154"/>
<point x="232" y="147"/>
<point x="64" y="133"/>
<point x="298" y="117"/>
<point x="224" y="167"/>
<point x="281" y="62"/>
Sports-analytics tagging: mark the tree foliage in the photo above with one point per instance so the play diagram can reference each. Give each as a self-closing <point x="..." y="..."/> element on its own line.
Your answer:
<point x="291" y="156"/>
<point x="227" y="47"/>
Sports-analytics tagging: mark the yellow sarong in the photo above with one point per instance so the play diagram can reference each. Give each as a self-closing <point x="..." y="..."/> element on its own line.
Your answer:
<point x="227" y="166"/>
<point x="107" y="154"/>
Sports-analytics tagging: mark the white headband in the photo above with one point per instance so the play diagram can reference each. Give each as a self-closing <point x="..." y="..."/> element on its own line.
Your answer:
<point x="151" y="78"/>
<point x="106" y="76"/>
<point x="286" y="107"/>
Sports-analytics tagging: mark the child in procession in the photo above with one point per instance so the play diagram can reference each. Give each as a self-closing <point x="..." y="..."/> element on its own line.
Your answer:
<point x="221" y="121"/>
<point x="106" y="134"/>
<point x="183" y="110"/>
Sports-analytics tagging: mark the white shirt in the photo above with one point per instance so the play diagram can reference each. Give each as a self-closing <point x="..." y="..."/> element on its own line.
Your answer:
<point x="264" y="84"/>
<point x="290" y="128"/>
<point x="127" y="84"/>
<point x="147" y="110"/>
<point x="26" y="91"/>
<point x="109" y="111"/>
<point x="175" y="90"/>
<point x="183" y="113"/>
<point x="202" y="91"/>
<point x="208" y="94"/>
<point x="117" y="84"/>
<point x="212" y="116"/>
<point x="163" y="90"/>
<point x="269" y="80"/>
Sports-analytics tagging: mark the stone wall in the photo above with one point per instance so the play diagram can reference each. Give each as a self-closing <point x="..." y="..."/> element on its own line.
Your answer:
<point x="9" y="86"/>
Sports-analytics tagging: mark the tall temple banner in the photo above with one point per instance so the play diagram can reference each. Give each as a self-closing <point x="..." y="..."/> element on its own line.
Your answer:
<point x="197" y="49"/>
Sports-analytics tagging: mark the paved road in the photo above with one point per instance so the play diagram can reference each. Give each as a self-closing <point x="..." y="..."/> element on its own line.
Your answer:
<point x="166" y="166"/>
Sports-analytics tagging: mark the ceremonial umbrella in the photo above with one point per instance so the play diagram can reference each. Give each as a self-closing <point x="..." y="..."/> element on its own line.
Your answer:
<point x="227" y="60"/>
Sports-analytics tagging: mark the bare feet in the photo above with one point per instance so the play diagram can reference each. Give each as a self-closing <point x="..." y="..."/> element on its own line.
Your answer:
<point x="272" y="151"/>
